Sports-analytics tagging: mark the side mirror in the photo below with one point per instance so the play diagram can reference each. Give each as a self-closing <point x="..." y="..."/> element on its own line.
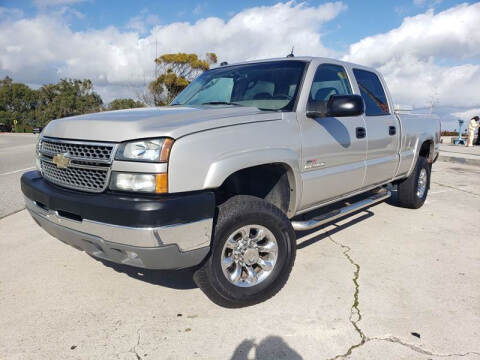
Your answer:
<point x="336" y="106"/>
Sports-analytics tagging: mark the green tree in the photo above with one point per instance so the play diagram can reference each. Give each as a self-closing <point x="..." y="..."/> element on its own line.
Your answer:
<point x="17" y="103"/>
<point x="176" y="72"/>
<point x="66" y="98"/>
<point x="119" y="104"/>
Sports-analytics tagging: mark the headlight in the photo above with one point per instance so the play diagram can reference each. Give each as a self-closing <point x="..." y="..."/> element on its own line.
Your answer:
<point x="151" y="183"/>
<point x="150" y="150"/>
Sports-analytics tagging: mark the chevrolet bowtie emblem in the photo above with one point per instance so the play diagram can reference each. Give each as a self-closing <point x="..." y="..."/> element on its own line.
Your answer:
<point x="61" y="160"/>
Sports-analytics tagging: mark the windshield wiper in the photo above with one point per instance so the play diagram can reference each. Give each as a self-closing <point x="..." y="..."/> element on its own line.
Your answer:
<point x="220" y="103"/>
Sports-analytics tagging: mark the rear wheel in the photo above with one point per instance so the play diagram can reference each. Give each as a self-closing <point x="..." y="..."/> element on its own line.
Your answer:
<point x="252" y="254"/>
<point x="413" y="191"/>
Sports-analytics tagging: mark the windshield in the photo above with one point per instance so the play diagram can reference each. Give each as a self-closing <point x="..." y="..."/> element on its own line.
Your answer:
<point x="267" y="86"/>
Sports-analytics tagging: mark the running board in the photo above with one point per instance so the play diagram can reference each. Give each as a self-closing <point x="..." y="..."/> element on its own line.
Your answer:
<point x="335" y="214"/>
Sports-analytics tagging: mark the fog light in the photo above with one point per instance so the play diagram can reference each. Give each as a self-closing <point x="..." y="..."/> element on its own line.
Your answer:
<point x="139" y="182"/>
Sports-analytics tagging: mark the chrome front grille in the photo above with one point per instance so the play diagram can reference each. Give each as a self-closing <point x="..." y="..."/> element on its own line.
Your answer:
<point x="78" y="150"/>
<point x="88" y="168"/>
<point x="93" y="180"/>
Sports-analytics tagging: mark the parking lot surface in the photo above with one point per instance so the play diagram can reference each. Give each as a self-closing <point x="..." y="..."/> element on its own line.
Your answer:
<point x="16" y="157"/>
<point x="387" y="283"/>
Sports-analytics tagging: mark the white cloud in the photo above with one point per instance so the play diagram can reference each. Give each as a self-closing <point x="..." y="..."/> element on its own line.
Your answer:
<point x="42" y="49"/>
<point x="141" y="23"/>
<point x="468" y="114"/>
<point x="450" y="34"/>
<point x="410" y="57"/>
<point x="254" y="32"/>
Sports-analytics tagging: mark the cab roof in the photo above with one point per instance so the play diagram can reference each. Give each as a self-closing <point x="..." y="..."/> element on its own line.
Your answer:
<point x="299" y="58"/>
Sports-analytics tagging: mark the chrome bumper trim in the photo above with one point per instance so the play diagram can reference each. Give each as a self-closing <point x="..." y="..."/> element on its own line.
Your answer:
<point x="186" y="236"/>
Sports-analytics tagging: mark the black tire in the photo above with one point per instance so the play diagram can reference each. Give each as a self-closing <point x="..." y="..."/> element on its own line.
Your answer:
<point x="407" y="189"/>
<point x="236" y="212"/>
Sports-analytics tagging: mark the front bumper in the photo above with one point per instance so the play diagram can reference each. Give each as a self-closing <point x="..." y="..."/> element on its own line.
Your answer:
<point x="169" y="232"/>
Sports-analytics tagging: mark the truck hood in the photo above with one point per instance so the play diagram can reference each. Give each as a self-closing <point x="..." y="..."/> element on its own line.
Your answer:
<point x="169" y="121"/>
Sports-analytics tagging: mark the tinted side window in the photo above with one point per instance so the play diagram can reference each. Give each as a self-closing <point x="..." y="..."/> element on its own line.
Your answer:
<point x="329" y="80"/>
<point x="372" y="93"/>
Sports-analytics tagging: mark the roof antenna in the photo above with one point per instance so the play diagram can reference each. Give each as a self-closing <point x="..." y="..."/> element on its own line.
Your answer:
<point x="291" y="53"/>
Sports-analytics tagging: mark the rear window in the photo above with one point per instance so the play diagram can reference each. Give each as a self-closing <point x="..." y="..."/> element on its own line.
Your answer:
<point x="372" y="92"/>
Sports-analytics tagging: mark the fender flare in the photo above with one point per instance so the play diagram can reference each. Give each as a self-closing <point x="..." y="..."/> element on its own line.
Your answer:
<point x="420" y="140"/>
<point x="228" y="164"/>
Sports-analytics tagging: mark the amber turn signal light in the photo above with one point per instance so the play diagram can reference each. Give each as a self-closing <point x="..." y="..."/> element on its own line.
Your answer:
<point x="166" y="147"/>
<point x="161" y="183"/>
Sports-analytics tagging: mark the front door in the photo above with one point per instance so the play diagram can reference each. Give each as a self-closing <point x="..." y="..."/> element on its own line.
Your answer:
<point x="382" y="126"/>
<point x="333" y="149"/>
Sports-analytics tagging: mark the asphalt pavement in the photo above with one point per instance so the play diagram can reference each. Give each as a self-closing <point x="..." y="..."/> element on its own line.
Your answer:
<point x="387" y="283"/>
<point x="16" y="157"/>
<point x="460" y="154"/>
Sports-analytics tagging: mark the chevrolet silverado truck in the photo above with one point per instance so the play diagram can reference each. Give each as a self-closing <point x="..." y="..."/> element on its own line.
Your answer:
<point x="220" y="180"/>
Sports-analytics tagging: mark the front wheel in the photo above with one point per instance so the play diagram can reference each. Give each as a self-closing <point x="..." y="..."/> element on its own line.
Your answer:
<point x="413" y="191"/>
<point x="253" y="252"/>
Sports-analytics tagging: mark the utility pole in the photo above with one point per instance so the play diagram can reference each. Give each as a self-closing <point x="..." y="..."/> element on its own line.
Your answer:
<point x="155" y="71"/>
<point x="433" y="100"/>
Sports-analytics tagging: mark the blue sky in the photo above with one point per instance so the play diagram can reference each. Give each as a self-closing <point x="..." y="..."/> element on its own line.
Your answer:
<point x="363" y="18"/>
<point x="428" y="50"/>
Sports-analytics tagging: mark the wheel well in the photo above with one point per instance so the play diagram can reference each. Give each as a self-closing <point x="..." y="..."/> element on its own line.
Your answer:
<point x="426" y="150"/>
<point x="270" y="182"/>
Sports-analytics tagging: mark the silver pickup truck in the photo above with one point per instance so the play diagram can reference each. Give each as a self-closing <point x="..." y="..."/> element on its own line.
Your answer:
<point x="222" y="178"/>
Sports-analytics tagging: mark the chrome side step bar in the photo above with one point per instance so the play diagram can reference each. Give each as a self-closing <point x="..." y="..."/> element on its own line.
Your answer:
<point x="335" y="214"/>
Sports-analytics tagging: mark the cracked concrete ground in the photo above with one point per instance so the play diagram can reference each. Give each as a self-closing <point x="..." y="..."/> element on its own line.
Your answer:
<point x="359" y="289"/>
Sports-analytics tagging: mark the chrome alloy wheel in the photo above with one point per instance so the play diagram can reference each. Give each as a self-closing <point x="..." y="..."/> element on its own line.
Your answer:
<point x="249" y="255"/>
<point x="422" y="183"/>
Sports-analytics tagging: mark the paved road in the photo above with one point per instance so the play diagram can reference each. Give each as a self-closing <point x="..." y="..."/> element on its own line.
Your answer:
<point x="16" y="157"/>
<point x="389" y="283"/>
<point x="460" y="154"/>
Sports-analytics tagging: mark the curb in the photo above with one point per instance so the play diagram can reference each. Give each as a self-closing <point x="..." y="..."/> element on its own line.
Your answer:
<point x="459" y="160"/>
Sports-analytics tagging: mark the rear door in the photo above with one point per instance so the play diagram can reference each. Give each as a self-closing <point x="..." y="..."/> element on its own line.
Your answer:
<point x="383" y="129"/>
<point x="333" y="149"/>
